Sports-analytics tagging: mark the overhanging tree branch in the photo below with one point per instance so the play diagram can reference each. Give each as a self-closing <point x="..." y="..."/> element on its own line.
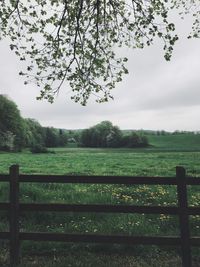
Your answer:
<point x="74" y="42"/>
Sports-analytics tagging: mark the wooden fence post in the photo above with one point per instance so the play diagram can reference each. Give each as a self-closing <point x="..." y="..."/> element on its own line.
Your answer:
<point x="183" y="217"/>
<point x="14" y="215"/>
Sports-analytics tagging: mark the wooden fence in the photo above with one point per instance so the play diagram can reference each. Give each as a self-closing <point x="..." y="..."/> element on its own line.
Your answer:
<point x="185" y="241"/>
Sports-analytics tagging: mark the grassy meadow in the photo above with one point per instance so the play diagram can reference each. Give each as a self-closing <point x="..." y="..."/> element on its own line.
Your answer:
<point x="160" y="159"/>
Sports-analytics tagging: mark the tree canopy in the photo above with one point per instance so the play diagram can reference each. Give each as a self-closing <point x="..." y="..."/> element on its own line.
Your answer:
<point x="76" y="41"/>
<point x="104" y="134"/>
<point x="11" y="125"/>
<point x="17" y="132"/>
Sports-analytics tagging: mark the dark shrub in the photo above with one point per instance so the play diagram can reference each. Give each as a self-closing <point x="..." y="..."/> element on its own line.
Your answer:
<point x="38" y="149"/>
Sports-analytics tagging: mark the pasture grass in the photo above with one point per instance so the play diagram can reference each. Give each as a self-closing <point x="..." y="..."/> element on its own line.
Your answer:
<point x="177" y="142"/>
<point x="73" y="258"/>
<point x="80" y="161"/>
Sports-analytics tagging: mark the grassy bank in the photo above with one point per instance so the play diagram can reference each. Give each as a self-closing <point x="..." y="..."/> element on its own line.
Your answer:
<point x="178" y="142"/>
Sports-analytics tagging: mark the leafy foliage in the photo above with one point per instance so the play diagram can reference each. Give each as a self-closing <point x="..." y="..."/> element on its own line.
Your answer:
<point x="76" y="41"/>
<point x="17" y="132"/>
<point x="39" y="136"/>
<point x="105" y="134"/>
<point x="35" y="133"/>
<point x="38" y="148"/>
<point x="135" y="140"/>
<point x="7" y="141"/>
<point x="11" y="125"/>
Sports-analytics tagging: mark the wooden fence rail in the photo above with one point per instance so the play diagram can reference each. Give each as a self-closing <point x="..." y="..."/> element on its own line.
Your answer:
<point x="185" y="241"/>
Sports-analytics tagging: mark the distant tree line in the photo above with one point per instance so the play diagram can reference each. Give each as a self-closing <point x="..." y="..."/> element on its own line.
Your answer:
<point x="17" y="133"/>
<point x="105" y="134"/>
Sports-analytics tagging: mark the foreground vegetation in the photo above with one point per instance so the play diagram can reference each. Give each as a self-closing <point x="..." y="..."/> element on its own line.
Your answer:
<point x="76" y="161"/>
<point x="156" y="156"/>
<point x="88" y="258"/>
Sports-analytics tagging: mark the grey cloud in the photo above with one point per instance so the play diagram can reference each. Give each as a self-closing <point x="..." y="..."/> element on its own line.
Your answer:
<point x="155" y="94"/>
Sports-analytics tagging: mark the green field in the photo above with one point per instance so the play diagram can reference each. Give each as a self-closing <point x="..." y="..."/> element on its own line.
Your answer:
<point x="103" y="162"/>
<point x="156" y="160"/>
<point x="183" y="142"/>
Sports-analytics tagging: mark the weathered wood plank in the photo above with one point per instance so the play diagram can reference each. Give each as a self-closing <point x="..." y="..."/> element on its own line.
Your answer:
<point x="183" y="217"/>
<point x="127" y="180"/>
<point x="14" y="216"/>
<point x="91" y="238"/>
<point x="99" y="208"/>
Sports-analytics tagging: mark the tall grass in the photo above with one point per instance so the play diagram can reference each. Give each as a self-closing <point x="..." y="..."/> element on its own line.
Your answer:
<point x="75" y="161"/>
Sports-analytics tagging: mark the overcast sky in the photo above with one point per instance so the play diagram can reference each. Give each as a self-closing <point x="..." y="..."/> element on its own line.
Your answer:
<point x="155" y="95"/>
